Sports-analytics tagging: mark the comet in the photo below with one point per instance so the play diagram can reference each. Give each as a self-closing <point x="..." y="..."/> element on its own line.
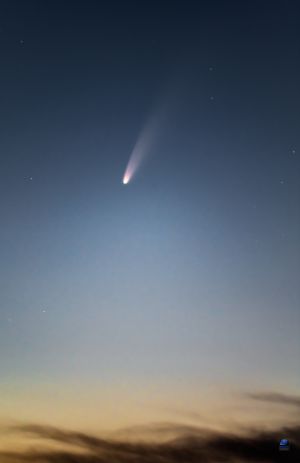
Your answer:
<point x="139" y="152"/>
<point x="143" y="146"/>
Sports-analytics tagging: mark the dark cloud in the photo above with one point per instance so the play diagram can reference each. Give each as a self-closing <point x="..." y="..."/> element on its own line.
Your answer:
<point x="185" y="447"/>
<point x="276" y="397"/>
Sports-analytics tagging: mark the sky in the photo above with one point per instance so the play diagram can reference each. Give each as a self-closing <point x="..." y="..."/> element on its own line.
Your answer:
<point x="173" y="298"/>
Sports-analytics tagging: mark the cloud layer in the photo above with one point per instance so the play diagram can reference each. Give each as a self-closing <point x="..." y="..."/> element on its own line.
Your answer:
<point x="189" y="445"/>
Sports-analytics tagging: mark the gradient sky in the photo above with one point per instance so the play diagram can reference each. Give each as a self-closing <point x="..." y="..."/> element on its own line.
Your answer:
<point x="168" y="294"/>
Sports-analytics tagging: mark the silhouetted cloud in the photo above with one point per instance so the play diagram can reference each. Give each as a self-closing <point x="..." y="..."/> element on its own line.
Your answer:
<point x="186" y="447"/>
<point x="276" y="397"/>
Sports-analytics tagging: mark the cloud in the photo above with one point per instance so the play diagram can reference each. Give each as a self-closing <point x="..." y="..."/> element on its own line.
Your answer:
<point x="277" y="398"/>
<point x="188" y="446"/>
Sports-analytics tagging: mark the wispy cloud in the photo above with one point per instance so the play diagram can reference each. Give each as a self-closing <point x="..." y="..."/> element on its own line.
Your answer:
<point x="276" y="398"/>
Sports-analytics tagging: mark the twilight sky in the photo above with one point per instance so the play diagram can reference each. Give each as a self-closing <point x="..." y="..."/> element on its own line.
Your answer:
<point x="177" y="295"/>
